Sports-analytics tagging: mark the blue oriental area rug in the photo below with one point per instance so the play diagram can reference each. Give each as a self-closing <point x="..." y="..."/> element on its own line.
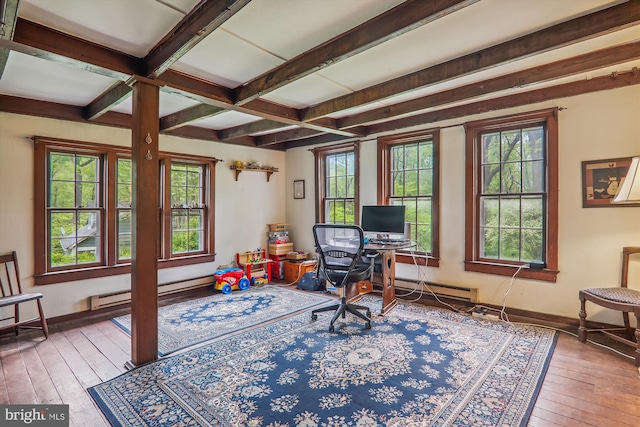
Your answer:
<point x="417" y="366"/>
<point x="188" y="323"/>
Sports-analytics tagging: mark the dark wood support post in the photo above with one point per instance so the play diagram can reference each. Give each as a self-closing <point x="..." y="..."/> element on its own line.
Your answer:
<point x="144" y="230"/>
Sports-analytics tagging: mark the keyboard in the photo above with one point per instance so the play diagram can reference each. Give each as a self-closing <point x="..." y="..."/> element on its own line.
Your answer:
<point x="396" y="242"/>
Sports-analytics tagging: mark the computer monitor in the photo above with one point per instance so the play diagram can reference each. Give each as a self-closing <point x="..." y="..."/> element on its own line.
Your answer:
<point x="383" y="219"/>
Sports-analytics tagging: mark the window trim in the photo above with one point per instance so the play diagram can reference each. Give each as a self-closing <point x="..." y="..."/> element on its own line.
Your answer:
<point x="43" y="275"/>
<point x="320" y="155"/>
<point x="385" y="144"/>
<point x="549" y="117"/>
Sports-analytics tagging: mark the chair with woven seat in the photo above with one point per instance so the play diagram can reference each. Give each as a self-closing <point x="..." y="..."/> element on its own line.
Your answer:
<point x="620" y="299"/>
<point x="12" y="295"/>
<point x="340" y="248"/>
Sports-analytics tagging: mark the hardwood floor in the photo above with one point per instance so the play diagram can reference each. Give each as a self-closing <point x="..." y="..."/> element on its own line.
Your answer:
<point x="585" y="385"/>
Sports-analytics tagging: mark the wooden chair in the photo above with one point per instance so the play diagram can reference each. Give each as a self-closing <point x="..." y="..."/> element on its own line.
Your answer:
<point x="12" y="296"/>
<point x="621" y="299"/>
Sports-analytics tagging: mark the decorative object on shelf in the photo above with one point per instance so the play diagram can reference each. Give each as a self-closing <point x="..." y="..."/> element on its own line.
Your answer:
<point x="602" y="180"/>
<point x="630" y="189"/>
<point x="298" y="189"/>
<point x="239" y="166"/>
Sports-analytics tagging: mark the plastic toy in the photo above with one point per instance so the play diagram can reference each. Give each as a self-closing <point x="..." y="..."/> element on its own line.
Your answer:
<point x="230" y="279"/>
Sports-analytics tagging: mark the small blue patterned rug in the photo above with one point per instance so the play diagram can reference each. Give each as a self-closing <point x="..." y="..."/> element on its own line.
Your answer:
<point x="417" y="366"/>
<point x="191" y="322"/>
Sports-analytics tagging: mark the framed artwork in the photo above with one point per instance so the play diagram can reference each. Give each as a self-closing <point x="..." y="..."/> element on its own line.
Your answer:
<point x="298" y="189"/>
<point x="601" y="181"/>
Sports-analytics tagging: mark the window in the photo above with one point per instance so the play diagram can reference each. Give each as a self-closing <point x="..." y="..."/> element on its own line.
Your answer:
<point x="83" y="210"/>
<point x="410" y="177"/>
<point x="337" y="172"/>
<point x="75" y="209"/>
<point x="123" y="208"/>
<point x="187" y="208"/>
<point x="511" y="209"/>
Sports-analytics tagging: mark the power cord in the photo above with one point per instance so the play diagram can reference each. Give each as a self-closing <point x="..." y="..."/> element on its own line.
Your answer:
<point x="299" y="275"/>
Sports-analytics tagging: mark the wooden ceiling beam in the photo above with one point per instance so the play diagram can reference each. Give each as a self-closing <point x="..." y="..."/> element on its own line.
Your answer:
<point x="189" y="115"/>
<point x="579" y="29"/>
<point x="193" y="28"/>
<point x="7" y="28"/>
<point x="218" y="96"/>
<point x="46" y="43"/>
<point x="319" y="139"/>
<point x="249" y="128"/>
<point x="107" y="100"/>
<point x="613" y="81"/>
<point x="563" y="68"/>
<point x="285" y="136"/>
<point x="393" y="23"/>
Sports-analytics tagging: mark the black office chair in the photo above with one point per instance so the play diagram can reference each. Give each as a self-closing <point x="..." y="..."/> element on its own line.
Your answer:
<point x="340" y="248"/>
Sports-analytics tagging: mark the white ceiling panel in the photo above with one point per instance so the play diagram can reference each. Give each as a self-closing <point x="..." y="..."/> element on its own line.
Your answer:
<point x="306" y="91"/>
<point x="169" y="104"/>
<point x="225" y="59"/>
<point x="305" y="24"/>
<point x="132" y="27"/>
<point x="226" y="120"/>
<point x="31" y="77"/>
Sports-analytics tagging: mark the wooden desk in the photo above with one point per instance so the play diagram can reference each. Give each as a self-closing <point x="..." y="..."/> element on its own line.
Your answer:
<point x="388" y="253"/>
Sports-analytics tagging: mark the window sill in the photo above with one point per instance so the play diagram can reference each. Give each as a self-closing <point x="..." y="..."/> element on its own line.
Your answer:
<point x="405" y="258"/>
<point x="113" y="270"/>
<point x="546" y="275"/>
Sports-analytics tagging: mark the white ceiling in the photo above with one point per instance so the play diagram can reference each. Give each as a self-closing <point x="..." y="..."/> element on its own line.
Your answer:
<point x="267" y="33"/>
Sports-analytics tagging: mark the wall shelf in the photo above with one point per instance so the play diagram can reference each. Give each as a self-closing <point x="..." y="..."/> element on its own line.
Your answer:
<point x="268" y="170"/>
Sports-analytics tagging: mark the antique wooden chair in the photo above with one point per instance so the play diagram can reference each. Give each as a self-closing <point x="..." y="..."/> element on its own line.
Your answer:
<point x="12" y="296"/>
<point x="621" y="299"/>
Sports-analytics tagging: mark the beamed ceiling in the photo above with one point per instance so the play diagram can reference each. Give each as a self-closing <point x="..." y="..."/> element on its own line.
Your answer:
<point x="286" y="73"/>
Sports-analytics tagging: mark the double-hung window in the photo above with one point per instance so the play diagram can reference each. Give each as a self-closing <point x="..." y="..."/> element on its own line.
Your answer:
<point x="512" y="209"/>
<point x="75" y="209"/>
<point x="83" y="212"/>
<point x="188" y="210"/>
<point x="410" y="177"/>
<point x="337" y="182"/>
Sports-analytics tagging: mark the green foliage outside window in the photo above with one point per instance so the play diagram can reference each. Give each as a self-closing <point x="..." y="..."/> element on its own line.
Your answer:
<point x="512" y="195"/>
<point x="412" y="186"/>
<point x="340" y="188"/>
<point x="187" y="213"/>
<point x="72" y="199"/>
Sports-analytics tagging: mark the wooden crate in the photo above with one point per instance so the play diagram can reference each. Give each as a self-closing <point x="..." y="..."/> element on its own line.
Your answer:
<point x="280" y="248"/>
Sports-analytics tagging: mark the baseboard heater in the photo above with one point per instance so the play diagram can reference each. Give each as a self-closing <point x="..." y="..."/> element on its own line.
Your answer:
<point x="123" y="297"/>
<point x="460" y="293"/>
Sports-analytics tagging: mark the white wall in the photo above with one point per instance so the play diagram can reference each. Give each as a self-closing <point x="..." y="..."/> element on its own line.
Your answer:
<point x="594" y="126"/>
<point x="243" y="208"/>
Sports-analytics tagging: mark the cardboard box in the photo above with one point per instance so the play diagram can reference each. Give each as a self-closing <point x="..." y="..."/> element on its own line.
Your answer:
<point x="280" y="248"/>
<point x="277" y="227"/>
<point x="297" y="255"/>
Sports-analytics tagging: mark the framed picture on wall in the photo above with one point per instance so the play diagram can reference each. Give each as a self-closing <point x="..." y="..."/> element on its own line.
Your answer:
<point x="298" y="189"/>
<point x="601" y="181"/>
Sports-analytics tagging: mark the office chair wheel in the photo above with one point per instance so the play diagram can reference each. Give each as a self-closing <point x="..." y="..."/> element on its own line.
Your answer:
<point x="314" y="317"/>
<point x="369" y="314"/>
<point x="368" y="325"/>
<point x="331" y="329"/>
